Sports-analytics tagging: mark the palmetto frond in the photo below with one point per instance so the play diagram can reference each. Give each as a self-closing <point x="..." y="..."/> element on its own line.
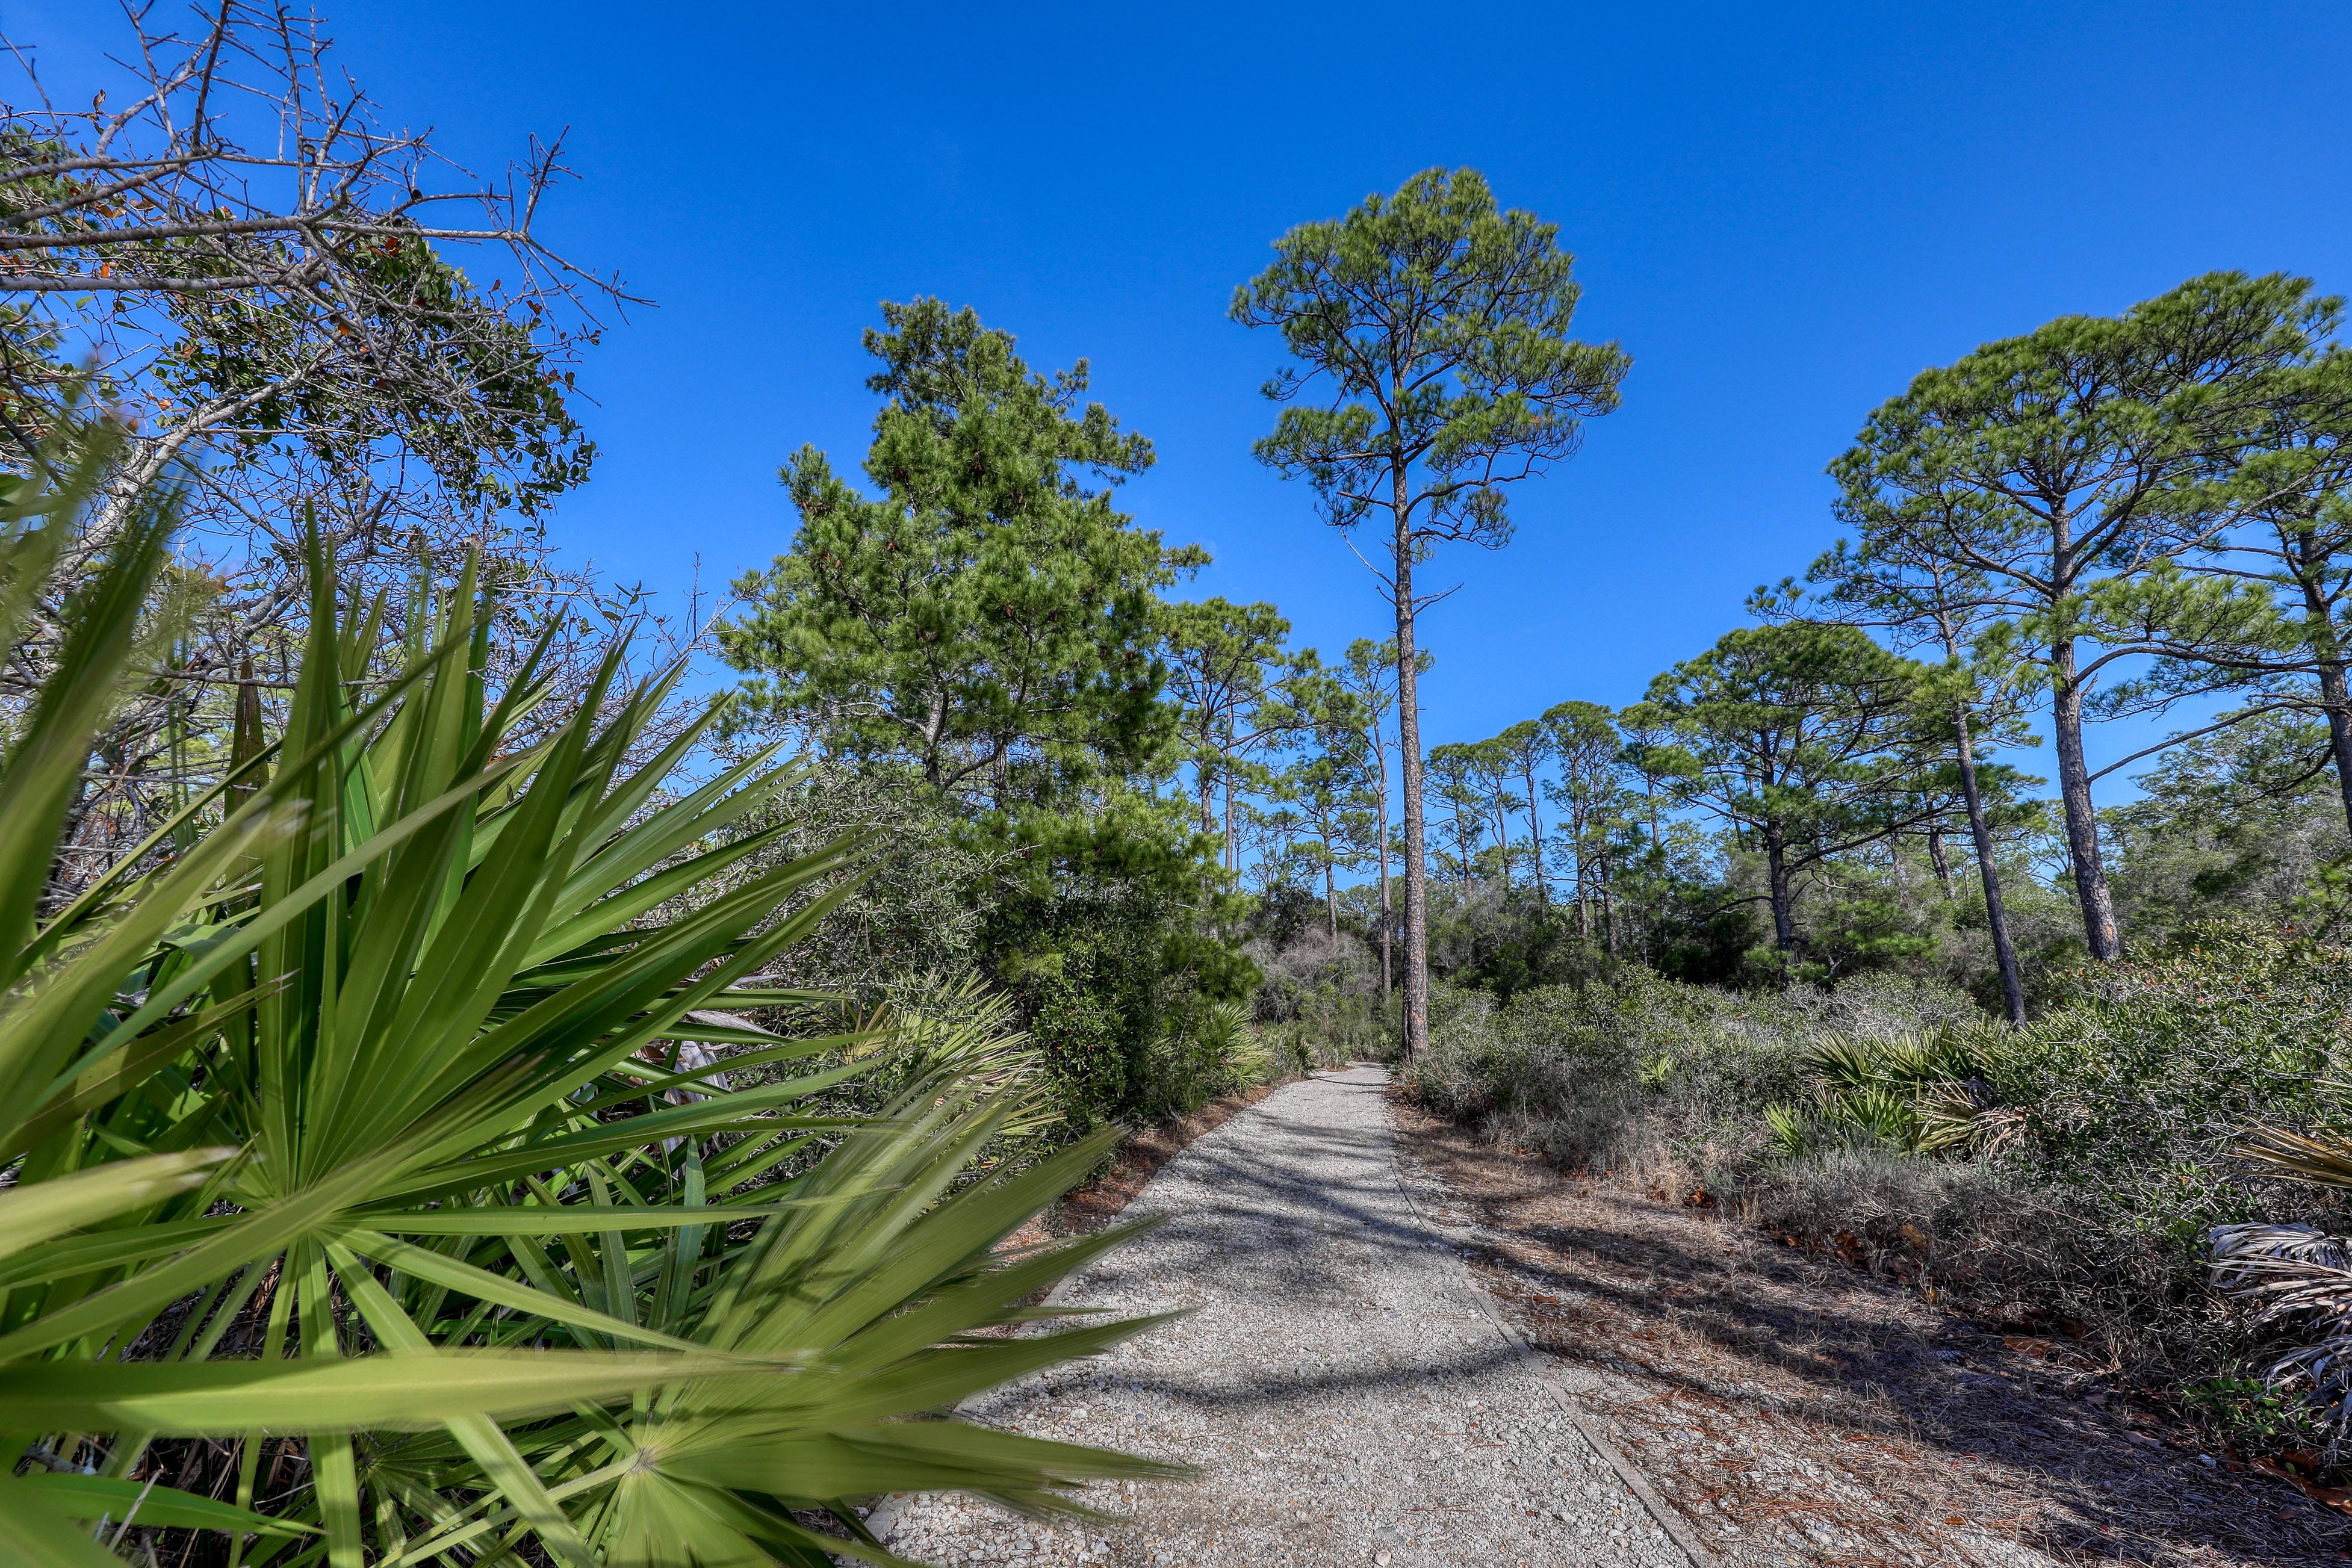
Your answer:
<point x="2324" y="1162"/>
<point x="380" y="1062"/>
<point x="2296" y="1273"/>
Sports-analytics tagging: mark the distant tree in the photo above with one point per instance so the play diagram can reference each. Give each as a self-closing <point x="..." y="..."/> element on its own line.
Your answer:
<point x="1524" y="750"/>
<point x="1654" y="857"/>
<point x="1453" y="777"/>
<point x="1370" y="675"/>
<point x="2066" y="470"/>
<point x="1438" y="326"/>
<point x="1800" y="737"/>
<point x="1582" y="738"/>
<point x="1321" y="788"/>
<point x="1929" y="602"/>
<point x="1330" y="780"/>
<point x="2296" y="490"/>
<point x="2236" y="822"/>
<point x="1274" y="839"/>
<point x="1225" y="665"/>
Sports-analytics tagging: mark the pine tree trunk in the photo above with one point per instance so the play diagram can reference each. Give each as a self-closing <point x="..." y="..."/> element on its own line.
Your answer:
<point x="1416" y="865"/>
<point x="1584" y="879"/>
<point x="2335" y="698"/>
<point x="1232" y="861"/>
<point x="1941" y="861"/>
<point x="2082" y="820"/>
<point x="1784" y="914"/>
<point x="2012" y="988"/>
<point x="1608" y="913"/>
<point x="2337" y="701"/>
<point x="1330" y="899"/>
<point x="1388" y="920"/>
<point x="1535" y="845"/>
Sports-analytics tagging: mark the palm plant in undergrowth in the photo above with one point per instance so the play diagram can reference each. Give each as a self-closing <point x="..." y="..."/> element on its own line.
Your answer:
<point x="2297" y="1278"/>
<point x="1915" y="1092"/>
<point x="362" y="1205"/>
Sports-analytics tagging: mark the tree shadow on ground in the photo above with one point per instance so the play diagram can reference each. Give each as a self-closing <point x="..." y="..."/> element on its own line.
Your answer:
<point x="1730" y="1365"/>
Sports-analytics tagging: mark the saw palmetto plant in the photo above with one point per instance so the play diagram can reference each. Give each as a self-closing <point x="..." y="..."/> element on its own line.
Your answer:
<point x="372" y="1192"/>
<point x="2297" y="1278"/>
<point x="1914" y="1092"/>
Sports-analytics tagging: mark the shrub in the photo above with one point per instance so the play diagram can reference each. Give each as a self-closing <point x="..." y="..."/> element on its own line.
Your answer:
<point x="2070" y="1172"/>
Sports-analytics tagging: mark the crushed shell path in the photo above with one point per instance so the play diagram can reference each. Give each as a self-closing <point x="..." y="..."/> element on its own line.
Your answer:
<point x="1341" y="1383"/>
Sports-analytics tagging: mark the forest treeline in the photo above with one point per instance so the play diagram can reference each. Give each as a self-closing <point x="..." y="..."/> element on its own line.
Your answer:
<point x="2103" y="521"/>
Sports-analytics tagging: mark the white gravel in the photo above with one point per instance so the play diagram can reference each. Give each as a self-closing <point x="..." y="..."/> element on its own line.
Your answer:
<point x="1339" y="1381"/>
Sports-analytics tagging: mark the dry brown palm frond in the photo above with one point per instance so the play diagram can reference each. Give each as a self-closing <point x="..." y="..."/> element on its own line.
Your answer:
<point x="1960" y="1117"/>
<point x="2293" y="1273"/>
<point x="2324" y="1162"/>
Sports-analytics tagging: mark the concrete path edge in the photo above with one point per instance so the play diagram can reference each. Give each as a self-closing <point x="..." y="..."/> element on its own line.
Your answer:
<point x="1669" y="1519"/>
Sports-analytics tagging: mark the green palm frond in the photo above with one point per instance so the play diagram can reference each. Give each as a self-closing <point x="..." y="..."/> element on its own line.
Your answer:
<point x="372" y="1104"/>
<point x="1791" y="1132"/>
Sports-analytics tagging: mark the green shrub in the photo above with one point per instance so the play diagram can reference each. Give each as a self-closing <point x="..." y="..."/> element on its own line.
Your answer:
<point x="2068" y="1173"/>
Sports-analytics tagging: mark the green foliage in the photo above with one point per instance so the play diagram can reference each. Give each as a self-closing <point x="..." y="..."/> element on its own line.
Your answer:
<point x="2248" y="1415"/>
<point x="1791" y="1134"/>
<point x="1109" y="976"/>
<point x="2064" y="475"/>
<point x="2116" y="425"/>
<point x="992" y="616"/>
<point x="507" y="442"/>
<point x="2164" y="1062"/>
<point x="1438" y="326"/>
<point x="1483" y="382"/>
<point x="976" y="655"/>
<point x="361" y="1114"/>
<point x="2245" y="822"/>
<point x="1910" y="1092"/>
<point x="1225" y="664"/>
<point x="2074" y="1169"/>
<point x="1802" y="738"/>
<point x="1320" y="1006"/>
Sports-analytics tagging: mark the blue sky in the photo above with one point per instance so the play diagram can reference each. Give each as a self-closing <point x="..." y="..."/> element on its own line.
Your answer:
<point x="1781" y="211"/>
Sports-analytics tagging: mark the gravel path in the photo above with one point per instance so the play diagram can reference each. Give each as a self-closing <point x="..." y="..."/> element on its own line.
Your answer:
<point x="1344" y="1387"/>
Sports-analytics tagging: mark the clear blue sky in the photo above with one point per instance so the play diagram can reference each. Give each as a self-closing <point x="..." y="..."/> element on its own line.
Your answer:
<point x="1782" y="213"/>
